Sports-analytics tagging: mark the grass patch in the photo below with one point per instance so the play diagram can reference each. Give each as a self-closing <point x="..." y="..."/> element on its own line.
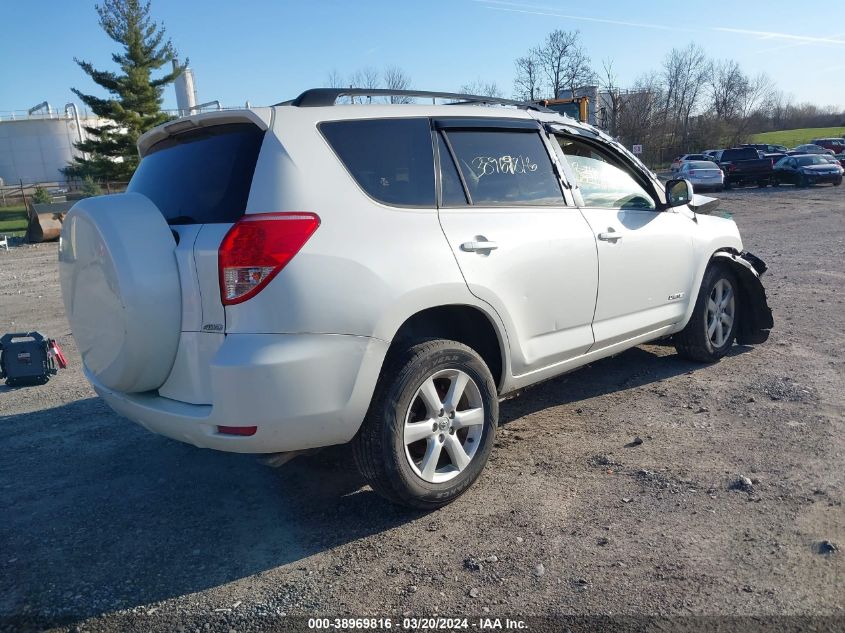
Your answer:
<point x="791" y="138"/>
<point x="13" y="220"/>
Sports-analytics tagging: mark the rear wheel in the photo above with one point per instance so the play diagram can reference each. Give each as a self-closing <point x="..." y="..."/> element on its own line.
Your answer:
<point x="712" y="328"/>
<point x="836" y="183"/>
<point x="431" y="424"/>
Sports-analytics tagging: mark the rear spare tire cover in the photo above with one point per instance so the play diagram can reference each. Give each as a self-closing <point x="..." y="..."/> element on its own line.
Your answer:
<point x="120" y="285"/>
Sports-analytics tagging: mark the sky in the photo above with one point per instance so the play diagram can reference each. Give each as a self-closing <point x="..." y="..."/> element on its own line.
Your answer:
<point x="266" y="51"/>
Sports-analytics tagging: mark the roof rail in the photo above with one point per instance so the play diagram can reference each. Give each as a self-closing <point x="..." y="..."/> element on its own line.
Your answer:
<point x="328" y="96"/>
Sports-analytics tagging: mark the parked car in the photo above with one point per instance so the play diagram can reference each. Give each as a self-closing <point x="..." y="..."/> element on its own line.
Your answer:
<point x="806" y="170"/>
<point x="767" y="148"/>
<point x="703" y="174"/>
<point x="835" y="145"/>
<point x="680" y="160"/>
<point x="742" y="165"/>
<point x="812" y="148"/>
<point x="285" y="278"/>
<point x="840" y="158"/>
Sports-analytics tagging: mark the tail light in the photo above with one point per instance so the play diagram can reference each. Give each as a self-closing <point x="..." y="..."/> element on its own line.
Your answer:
<point x="256" y="248"/>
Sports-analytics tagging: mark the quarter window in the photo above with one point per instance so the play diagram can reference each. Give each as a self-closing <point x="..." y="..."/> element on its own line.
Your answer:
<point x="451" y="189"/>
<point x="603" y="182"/>
<point x="391" y="159"/>
<point x="509" y="168"/>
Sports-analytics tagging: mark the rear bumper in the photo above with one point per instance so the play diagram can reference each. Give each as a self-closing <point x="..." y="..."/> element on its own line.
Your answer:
<point x="300" y="390"/>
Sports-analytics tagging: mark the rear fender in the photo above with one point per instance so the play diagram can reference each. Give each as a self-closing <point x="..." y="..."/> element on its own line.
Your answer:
<point x="756" y="319"/>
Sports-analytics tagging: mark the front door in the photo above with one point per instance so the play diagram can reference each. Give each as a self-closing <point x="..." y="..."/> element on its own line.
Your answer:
<point x="520" y="247"/>
<point x="646" y="259"/>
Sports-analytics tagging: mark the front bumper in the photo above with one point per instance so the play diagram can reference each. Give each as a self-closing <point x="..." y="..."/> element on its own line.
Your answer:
<point x="814" y="179"/>
<point x="300" y="390"/>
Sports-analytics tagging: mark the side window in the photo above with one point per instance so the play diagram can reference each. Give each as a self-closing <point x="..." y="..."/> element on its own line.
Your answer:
<point x="603" y="182"/>
<point x="509" y="168"/>
<point x="391" y="159"/>
<point x="451" y="189"/>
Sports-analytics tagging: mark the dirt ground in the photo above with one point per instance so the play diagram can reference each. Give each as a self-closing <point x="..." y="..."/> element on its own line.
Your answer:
<point x="104" y="526"/>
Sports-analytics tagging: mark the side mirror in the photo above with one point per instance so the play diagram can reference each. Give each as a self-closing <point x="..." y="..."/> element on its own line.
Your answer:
<point x="678" y="192"/>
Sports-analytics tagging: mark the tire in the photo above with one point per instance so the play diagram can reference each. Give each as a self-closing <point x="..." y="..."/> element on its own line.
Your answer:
<point x="775" y="182"/>
<point x="836" y="183"/>
<point x="700" y="340"/>
<point x="761" y="184"/>
<point x="803" y="182"/>
<point x="414" y="381"/>
<point x="728" y="184"/>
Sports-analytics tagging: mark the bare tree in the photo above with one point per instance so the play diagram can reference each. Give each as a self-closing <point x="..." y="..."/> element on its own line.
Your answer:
<point x="367" y="78"/>
<point x="577" y="71"/>
<point x="614" y="96"/>
<point x="482" y="89"/>
<point x="396" y="79"/>
<point x="685" y="73"/>
<point x="554" y="56"/>
<point x="335" y="80"/>
<point x="528" y="84"/>
<point x="728" y="85"/>
<point x="758" y="91"/>
<point x="641" y="119"/>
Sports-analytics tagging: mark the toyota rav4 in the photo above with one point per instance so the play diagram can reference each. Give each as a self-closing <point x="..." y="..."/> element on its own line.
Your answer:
<point x="310" y="274"/>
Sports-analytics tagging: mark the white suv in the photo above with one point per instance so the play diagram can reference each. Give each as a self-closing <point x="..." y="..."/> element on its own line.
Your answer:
<point x="309" y="274"/>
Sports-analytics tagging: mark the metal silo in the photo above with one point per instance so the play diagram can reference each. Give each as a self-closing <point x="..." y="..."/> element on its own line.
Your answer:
<point x="186" y="92"/>
<point x="36" y="145"/>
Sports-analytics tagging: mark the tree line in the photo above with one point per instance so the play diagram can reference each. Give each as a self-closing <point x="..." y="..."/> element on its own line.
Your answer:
<point x="692" y="102"/>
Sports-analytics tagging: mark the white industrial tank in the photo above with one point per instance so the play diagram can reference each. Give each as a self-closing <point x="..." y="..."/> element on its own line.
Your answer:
<point x="35" y="147"/>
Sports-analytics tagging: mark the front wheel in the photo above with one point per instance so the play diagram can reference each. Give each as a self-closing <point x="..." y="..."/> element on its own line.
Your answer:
<point x="431" y="424"/>
<point x="712" y="327"/>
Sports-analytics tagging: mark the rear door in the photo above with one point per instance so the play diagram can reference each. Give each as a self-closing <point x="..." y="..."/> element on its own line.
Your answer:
<point x="646" y="259"/>
<point x="200" y="180"/>
<point x="521" y="247"/>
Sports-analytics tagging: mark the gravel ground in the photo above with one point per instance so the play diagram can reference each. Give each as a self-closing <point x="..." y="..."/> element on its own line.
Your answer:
<point x="730" y="506"/>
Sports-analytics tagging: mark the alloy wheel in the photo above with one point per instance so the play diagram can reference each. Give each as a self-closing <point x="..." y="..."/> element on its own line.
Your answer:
<point x="721" y="311"/>
<point x="443" y="426"/>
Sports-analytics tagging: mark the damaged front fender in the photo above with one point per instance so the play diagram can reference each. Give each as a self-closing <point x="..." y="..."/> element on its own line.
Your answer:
<point x="755" y="319"/>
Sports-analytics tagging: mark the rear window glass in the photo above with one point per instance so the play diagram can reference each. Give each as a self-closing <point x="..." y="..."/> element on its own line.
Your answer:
<point x="391" y="159"/>
<point x="506" y="168"/>
<point x="702" y="164"/>
<point x="202" y="176"/>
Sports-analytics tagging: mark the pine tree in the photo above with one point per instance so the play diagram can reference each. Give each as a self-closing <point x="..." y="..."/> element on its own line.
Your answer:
<point x="109" y="153"/>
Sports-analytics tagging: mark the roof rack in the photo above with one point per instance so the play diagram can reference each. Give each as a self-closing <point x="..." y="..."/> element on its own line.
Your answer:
<point x="316" y="97"/>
